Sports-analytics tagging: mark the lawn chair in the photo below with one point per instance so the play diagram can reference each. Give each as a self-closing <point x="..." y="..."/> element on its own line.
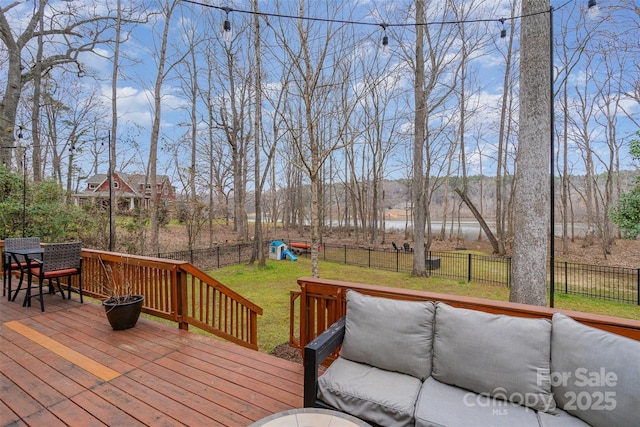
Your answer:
<point x="407" y="247"/>
<point x="395" y="246"/>
<point x="11" y="263"/>
<point x="58" y="260"/>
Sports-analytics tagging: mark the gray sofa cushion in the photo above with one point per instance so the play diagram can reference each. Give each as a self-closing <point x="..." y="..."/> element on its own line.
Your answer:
<point x="596" y="374"/>
<point x="502" y="356"/>
<point x="560" y="419"/>
<point x="389" y="334"/>
<point x="383" y="397"/>
<point x="440" y="404"/>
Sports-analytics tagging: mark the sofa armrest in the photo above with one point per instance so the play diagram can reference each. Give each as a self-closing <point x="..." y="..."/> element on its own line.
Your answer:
<point x="315" y="353"/>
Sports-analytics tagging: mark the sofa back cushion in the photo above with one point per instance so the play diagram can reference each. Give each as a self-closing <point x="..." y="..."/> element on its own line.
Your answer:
<point x="501" y="356"/>
<point x="389" y="334"/>
<point x="595" y="374"/>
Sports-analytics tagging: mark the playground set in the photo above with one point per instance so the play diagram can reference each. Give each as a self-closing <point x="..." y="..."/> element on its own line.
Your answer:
<point x="279" y="251"/>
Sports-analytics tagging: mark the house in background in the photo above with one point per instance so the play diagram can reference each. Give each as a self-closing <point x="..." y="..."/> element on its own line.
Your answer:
<point x="131" y="191"/>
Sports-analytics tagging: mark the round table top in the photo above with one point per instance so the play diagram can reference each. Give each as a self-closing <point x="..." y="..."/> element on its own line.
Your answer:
<point x="310" y="417"/>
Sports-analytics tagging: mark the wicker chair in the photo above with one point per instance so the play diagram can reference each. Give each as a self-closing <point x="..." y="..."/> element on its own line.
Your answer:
<point x="58" y="260"/>
<point x="10" y="263"/>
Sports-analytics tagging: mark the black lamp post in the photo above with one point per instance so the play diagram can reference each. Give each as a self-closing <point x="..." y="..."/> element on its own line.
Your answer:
<point x="24" y="183"/>
<point x="110" y="196"/>
<point x="552" y="188"/>
<point x="110" y="182"/>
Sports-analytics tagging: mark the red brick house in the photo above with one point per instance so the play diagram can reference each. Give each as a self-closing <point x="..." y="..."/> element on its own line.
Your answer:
<point x="131" y="191"/>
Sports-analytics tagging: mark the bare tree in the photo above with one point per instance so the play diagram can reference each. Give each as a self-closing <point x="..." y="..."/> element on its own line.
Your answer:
<point x="503" y="138"/>
<point x="313" y="55"/>
<point x="82" y="33"/>
<point x="164" y="69"/>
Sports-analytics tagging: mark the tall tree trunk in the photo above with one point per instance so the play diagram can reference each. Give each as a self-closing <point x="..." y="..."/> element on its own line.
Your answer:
<point x="37" y="149"/>
<point x="503" y="137"/>
<point x="258" y="240"/>
<point x="155" y="130"/>
<point x="114" y="128"/>
<point x="14" y="78"/>
<point x="531" y="218"/>
<point x="417" y="180"/>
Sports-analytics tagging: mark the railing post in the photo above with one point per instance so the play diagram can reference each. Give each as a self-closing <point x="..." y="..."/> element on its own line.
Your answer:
<point x="182" y="305"/>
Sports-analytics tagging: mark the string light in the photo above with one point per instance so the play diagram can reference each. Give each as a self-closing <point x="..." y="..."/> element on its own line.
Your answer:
<point x="593" y="9"/>
<point x="226" y="26"/>
<point x="591" y="4"/>
<point x="503" y="32"/>
<point x="385" y="38"/>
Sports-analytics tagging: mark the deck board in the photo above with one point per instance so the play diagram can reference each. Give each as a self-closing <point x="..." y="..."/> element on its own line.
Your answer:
<point x="168" y="377"/>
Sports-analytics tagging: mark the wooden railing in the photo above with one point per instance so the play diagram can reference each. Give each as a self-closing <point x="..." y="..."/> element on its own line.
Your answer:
<point x="215" y="308"/>
<point x="321" y="302"/>
<point x="176" y="291"/>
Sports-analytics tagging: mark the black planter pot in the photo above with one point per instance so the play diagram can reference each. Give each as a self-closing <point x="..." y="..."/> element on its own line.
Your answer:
<point x="123" y="312"/>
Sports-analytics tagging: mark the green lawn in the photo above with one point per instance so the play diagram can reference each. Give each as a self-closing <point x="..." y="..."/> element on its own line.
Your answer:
<point x="269" y="288"/>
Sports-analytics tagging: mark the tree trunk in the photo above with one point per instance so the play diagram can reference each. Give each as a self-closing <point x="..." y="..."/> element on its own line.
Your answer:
<point x="531" y="218"/>
<point x="481" y="221"/>
<point x="155" y="131"/>
<point x="258" y="238"/>
<point x="417" y="180"/>
<point x="115" y="70"/>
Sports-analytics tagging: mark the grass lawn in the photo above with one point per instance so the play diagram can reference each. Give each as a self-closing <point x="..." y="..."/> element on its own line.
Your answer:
<point x="269" y="288"/>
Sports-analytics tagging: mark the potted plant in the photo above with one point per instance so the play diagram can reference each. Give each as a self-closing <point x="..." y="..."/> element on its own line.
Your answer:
<point x="122" y="306"/>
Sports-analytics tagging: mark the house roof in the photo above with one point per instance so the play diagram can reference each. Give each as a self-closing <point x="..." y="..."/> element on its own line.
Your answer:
<point x="134" y="183"/>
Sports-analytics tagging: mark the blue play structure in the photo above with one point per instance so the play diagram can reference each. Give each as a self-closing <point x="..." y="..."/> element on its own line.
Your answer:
<point x="290" y="255"/>
<point x="278" y="251"/>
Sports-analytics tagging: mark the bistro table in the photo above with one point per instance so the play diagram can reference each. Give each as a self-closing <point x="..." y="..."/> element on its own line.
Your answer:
<point x="310" y="417"/>
<point x="29" y="255"/>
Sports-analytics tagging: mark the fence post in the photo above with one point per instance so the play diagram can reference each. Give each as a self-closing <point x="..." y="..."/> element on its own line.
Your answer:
<point x="566" y="277"/>
<point x="239" y="254"/>
<point x="638" y="286"/>
<point x="397" y="261"/>
<point x="345" y="254"/>
<point x="469" y="271"/>
<point x="369" y="253"/>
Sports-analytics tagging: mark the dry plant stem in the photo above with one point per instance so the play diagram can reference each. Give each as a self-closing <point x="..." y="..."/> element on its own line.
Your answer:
<point x="116" y="285"/>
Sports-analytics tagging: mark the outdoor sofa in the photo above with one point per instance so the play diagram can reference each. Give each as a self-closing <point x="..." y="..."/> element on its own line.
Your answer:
<point x="405" y="363"/>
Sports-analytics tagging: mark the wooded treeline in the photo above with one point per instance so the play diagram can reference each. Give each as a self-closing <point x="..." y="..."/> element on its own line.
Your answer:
<point x="290" y="109"/>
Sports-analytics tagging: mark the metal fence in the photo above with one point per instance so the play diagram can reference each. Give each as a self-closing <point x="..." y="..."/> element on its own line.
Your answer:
<point x="213" y="257"/>
<point x="603" y="282"/>
<point x="608" y="283"/>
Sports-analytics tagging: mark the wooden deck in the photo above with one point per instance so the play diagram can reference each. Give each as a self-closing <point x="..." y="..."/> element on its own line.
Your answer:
<point x="67" y="367"/>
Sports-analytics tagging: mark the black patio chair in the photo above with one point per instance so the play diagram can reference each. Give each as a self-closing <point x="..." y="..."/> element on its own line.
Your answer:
<point x="11" y="263"/>
<point x="407" y="247"/>
<point x="395" y="246"/>
<point x="58" y="260"/>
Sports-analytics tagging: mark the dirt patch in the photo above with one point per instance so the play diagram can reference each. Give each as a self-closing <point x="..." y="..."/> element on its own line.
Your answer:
<point x="285" y="351"/>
